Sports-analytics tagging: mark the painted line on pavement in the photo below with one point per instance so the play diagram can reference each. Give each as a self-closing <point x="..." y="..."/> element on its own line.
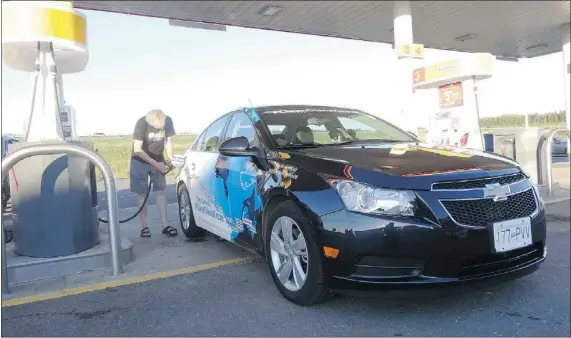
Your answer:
<point x="124" y="282"/>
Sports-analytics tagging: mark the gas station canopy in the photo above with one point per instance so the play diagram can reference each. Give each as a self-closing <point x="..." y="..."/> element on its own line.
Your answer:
<point x="508" y="29"/>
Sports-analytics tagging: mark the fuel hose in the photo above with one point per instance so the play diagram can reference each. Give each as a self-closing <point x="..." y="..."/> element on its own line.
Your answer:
<point x="169" y="168"/>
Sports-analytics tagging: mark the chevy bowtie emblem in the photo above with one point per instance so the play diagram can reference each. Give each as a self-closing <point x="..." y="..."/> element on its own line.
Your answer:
<point x="498" y="192"/>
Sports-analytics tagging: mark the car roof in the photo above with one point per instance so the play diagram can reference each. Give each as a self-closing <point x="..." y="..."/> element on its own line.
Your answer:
<point x="265" y="109"/>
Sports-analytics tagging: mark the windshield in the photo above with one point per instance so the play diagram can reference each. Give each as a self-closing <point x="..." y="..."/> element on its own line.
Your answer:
<point x="329" y="126"/>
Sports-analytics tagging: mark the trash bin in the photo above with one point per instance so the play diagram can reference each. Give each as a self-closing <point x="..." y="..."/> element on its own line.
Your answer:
<point x="489" y="142"/>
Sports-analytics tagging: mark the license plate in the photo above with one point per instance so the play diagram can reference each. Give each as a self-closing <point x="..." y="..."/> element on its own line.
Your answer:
<point x="512" y="234"/>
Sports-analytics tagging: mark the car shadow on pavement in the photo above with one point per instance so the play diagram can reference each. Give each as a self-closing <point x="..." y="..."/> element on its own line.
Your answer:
<point x="436" y="298"/>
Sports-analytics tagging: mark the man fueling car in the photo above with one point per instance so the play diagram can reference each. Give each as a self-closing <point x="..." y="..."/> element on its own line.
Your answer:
<point x="153" y="133"/>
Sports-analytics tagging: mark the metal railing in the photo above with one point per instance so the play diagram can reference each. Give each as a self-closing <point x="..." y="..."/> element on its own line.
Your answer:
<point x="110" y="193"/>
<point x="549" y="157"/>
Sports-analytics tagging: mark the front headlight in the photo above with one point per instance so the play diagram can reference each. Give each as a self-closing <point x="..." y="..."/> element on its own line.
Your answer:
<point x="366" y="199"/>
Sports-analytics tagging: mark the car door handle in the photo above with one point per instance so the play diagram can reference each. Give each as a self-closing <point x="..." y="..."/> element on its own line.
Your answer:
<point x="192" y="165"/>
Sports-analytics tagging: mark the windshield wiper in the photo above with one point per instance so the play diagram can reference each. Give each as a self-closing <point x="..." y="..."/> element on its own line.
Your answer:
<point x="374" y="140"/>
<point x="305" y="145"/>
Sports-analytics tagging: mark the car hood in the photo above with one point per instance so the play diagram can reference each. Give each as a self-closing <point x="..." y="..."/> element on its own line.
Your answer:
<point x="420" y="164"/>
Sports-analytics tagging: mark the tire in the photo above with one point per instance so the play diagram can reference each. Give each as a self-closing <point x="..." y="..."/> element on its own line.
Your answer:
<point x="314" y="289"/>
<point x="186" y="217"/>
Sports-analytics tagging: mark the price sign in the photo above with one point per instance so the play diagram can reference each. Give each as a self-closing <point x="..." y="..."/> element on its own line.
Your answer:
<point x="451" y="95"/>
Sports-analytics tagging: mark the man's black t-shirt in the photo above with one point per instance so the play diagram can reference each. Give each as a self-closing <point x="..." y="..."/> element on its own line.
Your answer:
<point x="153" y="138"/>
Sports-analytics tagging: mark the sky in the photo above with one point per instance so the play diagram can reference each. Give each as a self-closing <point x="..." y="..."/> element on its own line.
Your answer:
<point x="138" y="63"/>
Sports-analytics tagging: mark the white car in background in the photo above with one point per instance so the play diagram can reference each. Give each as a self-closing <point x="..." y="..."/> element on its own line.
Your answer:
<point x="559" y="146"/>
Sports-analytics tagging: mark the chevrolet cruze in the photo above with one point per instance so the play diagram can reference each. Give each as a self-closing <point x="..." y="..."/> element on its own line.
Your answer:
<point x="337" y="199"/>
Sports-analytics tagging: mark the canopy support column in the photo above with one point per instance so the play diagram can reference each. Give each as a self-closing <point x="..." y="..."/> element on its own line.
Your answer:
<point x="565" y="37"/>
<point x="402" y="26"/>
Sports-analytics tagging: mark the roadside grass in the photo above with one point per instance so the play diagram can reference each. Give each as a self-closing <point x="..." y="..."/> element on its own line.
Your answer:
<point x="116" y="150"/>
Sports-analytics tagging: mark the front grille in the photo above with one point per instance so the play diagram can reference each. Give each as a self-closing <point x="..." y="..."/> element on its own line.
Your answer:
<point x="482" y="212"/>
<point x="479" y="183"/>
<point x="497" y="263"/>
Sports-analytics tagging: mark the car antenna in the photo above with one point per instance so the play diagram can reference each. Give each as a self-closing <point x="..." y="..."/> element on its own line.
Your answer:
<point x="250" y="102"/>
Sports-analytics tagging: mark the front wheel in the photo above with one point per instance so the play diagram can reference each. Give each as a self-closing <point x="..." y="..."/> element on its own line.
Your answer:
<point x="187" y="222"/>
<point x="294" y="257"/>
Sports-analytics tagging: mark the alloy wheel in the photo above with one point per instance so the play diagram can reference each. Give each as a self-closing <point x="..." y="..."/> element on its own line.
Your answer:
<point x="184" y="210"/>
<point x="289" y="255"/>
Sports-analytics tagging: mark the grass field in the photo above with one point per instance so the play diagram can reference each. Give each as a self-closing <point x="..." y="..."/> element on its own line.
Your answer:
<point x="116" y="150"/>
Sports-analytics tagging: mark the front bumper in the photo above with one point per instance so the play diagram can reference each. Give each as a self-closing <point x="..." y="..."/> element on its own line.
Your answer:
<point x="388" y="253"/>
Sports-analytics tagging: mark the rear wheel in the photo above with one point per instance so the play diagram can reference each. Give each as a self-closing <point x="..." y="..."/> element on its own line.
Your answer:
<point x="294" y="257"/>
<point x="187" y="222"/>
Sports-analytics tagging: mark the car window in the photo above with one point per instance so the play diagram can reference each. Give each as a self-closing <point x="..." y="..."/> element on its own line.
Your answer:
<point x="240" y="125"/>
<point x="198" y="142"/>
<point x="276" y="129"/>
<point x="212" y="135"/>
<point x="315" y="126"/>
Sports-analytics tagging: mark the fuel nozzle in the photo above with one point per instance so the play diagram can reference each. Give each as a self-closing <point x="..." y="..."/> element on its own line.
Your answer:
<point x="169" y="166"/>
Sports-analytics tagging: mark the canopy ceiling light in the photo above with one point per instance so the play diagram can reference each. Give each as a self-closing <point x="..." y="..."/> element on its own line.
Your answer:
<point x="466" y="37"/>
<point x="269" y="10"/>
<point x="539" y="46"/>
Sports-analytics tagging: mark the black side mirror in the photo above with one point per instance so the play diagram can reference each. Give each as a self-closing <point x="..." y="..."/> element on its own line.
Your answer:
<point x="237" y="146"/>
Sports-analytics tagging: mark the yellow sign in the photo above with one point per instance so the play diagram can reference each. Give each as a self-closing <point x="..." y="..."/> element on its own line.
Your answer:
<point x="477" y="65"/>
<point x="410" y="50"/>
<point x="46" y="22"/>
<point x="436" y="72"/>
<point x="442" y="70"/>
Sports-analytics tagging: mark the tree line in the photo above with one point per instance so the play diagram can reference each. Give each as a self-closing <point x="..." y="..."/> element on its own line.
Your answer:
<point x="552" y="119"/>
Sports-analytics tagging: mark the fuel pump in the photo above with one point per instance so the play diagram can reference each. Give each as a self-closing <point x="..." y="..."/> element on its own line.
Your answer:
<point x="54" y="197"/>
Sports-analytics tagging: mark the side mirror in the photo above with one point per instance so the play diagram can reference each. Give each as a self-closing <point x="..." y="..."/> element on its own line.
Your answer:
<point x="237" y="146"/>
<point x="178" y="160"/>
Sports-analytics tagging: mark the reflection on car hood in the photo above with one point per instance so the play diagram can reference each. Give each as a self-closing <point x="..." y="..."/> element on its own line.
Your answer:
<point x="411" y="159"/>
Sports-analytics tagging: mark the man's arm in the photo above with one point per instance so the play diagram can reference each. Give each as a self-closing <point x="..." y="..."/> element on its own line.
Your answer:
<point x="169" y="133"/>
<point x="138" y="136"/>
<point x="138" y="151"/>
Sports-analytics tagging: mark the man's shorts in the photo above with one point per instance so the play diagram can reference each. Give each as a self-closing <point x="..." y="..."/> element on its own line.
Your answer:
<point x="139" y="177"/>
